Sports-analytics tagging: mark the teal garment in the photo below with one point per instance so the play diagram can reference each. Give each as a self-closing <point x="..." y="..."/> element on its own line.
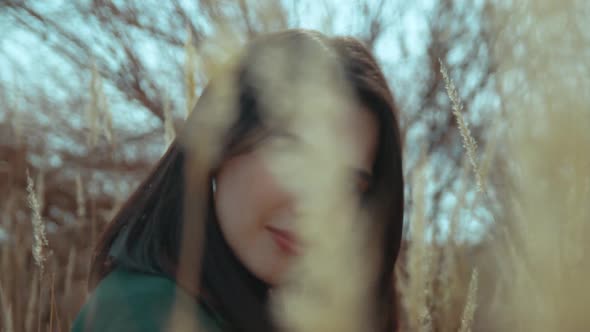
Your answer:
<point x="126" y="301"/>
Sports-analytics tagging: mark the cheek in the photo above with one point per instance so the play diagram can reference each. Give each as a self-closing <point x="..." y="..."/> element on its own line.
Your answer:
<point x="246" y="194"/>
<point x="246" y="200"/>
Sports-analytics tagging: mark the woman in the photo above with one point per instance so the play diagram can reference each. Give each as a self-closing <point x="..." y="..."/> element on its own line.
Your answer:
<point x="155" y="255"/>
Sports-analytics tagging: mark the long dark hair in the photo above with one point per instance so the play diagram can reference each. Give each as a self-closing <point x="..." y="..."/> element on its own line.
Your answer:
<point x="149" y="234"/>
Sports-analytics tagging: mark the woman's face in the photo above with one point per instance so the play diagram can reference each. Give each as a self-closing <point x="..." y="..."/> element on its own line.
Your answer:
<point x="256" y="214"/>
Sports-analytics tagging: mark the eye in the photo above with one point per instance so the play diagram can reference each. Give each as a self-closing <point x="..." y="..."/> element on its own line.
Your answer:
<point x="283" y="134"/>
<point x="281" y="140"/>
<point x="363" y="181"/>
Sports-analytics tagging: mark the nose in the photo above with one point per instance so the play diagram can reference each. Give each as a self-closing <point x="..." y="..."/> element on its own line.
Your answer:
<point x="285" y="212"/>
<point x="284" y="208"/>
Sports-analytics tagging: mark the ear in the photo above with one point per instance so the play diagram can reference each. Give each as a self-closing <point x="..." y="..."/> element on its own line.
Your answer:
<point x="213" y="185"/>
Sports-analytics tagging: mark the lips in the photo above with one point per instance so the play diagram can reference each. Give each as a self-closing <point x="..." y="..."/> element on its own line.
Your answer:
<point x="285" y="240"/>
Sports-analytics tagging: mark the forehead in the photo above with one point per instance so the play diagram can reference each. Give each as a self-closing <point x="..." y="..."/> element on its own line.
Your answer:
<point x="359" y="129"/>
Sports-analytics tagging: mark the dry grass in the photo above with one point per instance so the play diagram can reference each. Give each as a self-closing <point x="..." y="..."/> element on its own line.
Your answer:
<point x="315" y="170"/>
<point x="469" y="142"/>
<point x="40" y="239"/>
<point x="42" y="274"/>
<point x="531" y="276"/>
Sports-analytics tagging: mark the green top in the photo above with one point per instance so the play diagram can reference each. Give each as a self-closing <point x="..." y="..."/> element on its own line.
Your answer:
<point x="132" y="302"/>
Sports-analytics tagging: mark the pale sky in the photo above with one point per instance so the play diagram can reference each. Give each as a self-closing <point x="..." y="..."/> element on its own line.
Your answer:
<point x="36" y="62"/>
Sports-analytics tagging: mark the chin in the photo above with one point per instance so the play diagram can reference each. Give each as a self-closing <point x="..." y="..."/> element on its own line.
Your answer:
<point x="274" y="277"/>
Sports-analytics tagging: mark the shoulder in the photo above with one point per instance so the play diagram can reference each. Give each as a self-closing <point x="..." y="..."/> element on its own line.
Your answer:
<point x="131" y="301"/>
